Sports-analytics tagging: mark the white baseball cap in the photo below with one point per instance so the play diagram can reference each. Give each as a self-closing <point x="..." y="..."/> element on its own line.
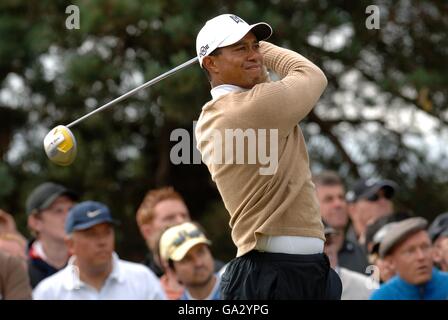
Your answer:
<point x="225" y="30"/>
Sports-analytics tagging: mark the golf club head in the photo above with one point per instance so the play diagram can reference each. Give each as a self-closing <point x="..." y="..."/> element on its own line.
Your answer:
<point x="60" y="146"/>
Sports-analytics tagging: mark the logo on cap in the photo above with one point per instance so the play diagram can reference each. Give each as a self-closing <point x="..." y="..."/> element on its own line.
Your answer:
<point x="93" y="214"/>
<point x="236" y="18"/>
<point x="203" y="50"/>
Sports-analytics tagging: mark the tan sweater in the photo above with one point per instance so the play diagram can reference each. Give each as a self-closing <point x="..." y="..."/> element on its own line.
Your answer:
<point x="283" y="203"/>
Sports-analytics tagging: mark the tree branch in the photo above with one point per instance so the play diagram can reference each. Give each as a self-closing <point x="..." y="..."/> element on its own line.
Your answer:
<point x="326" y="130"/>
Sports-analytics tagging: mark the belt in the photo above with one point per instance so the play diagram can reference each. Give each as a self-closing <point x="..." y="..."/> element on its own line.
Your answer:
<point x="289" y="244"/>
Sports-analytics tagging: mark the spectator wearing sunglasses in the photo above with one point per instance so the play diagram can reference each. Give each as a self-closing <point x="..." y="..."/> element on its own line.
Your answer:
<point x="185" y="250"/>
<point x="368" y="201"/>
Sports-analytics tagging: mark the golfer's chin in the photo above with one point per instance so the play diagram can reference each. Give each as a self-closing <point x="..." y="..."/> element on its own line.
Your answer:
<point x="254" y="81"/>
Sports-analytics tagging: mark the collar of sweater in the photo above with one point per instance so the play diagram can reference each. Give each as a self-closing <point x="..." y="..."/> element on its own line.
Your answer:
<point x="223" y="89"/>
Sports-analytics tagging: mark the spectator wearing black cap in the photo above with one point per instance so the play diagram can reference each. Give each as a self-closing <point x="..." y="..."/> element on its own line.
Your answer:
<point x="438" y="231"/>
<point x="407" y="248"/>
<point x="94" y="271"/>
<point x="368" y="201"/>
<point x="330" y="192"/>
<point x="47" y="207"/>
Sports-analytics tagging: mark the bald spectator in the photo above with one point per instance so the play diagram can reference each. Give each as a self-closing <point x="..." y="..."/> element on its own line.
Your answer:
<point x="186" y="251"/>
<point x="407" y="247"/>
<point x="14" y="281"/>
<point x="47" y="207"/>
<point x="438" y="232"/>
<point x="333" y="209"/>
<point x="94" y="271"/>
<point x="368" y="201"/>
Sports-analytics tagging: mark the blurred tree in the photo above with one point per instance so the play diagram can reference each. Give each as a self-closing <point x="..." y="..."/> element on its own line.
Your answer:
<point x="387" y="93"/>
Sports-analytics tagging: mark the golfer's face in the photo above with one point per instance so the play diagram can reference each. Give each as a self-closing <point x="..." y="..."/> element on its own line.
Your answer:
<point x="241" y="64"/>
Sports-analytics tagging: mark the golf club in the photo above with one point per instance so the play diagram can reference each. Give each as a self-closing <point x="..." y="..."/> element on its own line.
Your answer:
<point x="60" y="143"/>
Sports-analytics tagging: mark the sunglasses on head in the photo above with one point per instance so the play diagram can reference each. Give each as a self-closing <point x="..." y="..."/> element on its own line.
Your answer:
<point x="183" y="236"/>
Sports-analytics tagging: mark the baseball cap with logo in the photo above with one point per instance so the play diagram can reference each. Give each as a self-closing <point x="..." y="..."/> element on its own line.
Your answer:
<point x="176" y="241"/>
<point x="367" y="189"/>
<point x="86" y="215"/>
<point x="45" y="194"/>
<point x="225" y="30"/>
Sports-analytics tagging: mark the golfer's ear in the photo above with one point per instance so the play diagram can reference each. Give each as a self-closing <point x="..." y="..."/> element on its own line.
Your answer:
<point x="209" y="63"/>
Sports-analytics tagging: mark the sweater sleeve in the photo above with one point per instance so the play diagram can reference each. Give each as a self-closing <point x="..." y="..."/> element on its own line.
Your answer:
<point x="283" y="104"/>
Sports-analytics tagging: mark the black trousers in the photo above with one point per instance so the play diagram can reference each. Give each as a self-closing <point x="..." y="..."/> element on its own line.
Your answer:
<point x="277" y="276"/>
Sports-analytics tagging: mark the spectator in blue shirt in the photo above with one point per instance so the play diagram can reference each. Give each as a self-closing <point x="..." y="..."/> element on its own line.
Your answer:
<point x="407" y="247"/>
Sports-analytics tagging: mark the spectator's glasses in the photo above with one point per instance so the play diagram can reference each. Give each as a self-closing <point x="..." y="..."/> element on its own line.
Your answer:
<point x="387" y="194"/>
<point x="183" y="236"/>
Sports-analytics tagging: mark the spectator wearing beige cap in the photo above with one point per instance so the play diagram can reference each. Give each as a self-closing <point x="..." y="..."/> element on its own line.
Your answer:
<point x="407" y="247"/>
<point x="438" y="231"/>
<point x="185" y="250"/>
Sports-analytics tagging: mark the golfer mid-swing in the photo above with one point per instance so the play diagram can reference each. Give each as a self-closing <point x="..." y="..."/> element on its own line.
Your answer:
<point x="274" y="216"/>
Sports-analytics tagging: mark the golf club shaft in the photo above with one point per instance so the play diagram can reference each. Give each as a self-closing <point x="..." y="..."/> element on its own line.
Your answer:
<point x="130" y="93"/>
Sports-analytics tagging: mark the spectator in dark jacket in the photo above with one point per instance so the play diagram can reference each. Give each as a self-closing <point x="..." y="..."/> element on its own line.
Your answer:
<point x="333" y="209"/>
<point x="47" y="208"/>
